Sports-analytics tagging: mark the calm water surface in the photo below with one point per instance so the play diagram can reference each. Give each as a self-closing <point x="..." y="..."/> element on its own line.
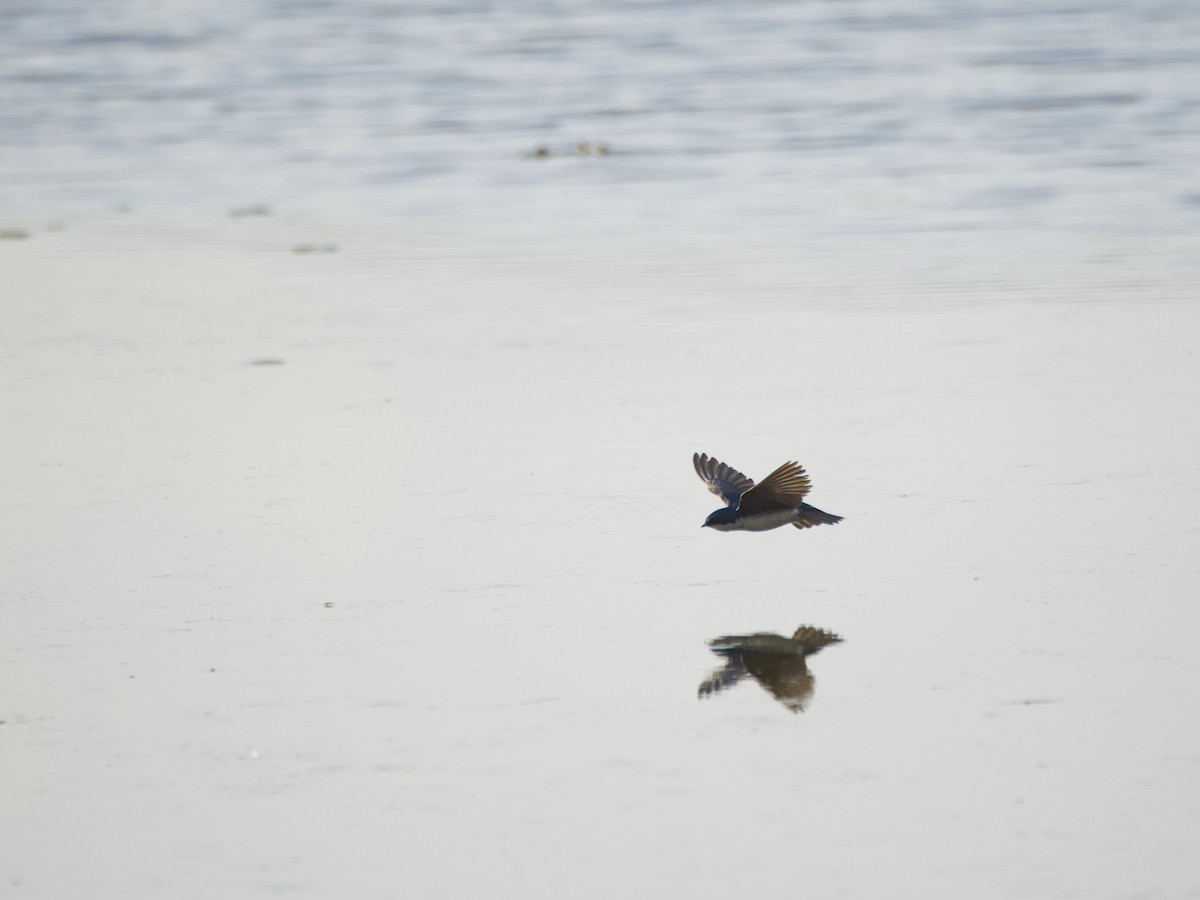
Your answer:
<point x="422" y="608"/>
<point x="991" y="135"/>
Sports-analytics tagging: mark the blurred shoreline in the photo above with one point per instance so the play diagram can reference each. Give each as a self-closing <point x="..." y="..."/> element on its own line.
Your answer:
<point x="919" y="271"/>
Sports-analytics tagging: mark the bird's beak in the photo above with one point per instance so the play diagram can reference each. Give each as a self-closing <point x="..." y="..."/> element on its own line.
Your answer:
<point x="705" y="525"/>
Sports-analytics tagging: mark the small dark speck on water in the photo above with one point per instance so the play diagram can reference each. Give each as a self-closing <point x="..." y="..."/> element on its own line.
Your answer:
<point x="583" y="148"/>
<point x="314" y="248"/>
<point x="265" y="361"/>
<point x="14" y="234"/>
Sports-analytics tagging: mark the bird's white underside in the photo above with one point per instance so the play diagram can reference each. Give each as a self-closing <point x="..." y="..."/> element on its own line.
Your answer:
<point x="760" y="522"/>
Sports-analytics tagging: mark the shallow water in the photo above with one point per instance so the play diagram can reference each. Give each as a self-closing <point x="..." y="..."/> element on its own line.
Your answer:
<point x="353" y="549"/>
<point x="422" y="606"/>
<point x="1062" y="132"/>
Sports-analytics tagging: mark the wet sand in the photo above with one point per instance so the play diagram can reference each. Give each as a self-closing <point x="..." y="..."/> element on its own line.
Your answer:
<point x="378" y="572"/>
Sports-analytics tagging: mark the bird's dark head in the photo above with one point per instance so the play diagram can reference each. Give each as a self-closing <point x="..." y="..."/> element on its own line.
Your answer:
<point x="721" y="519"/>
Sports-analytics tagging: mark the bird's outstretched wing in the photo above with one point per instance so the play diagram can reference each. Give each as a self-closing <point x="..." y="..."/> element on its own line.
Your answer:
<point x="725" y="481"/>
<point x="785" y="488"/>
<point x="725" y="677"/>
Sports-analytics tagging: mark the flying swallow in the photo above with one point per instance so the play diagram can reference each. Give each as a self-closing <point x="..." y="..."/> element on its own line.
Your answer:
<point x="775" y="501"/>
<point x="775" y="662"/>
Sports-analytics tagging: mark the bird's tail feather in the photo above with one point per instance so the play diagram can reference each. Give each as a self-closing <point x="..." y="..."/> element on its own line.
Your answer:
<point x="808" y="516"/>
<point x="812" y="639"/>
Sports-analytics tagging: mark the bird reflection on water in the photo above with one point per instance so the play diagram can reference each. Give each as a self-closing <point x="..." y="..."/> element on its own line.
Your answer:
<point x="778" y="663"/>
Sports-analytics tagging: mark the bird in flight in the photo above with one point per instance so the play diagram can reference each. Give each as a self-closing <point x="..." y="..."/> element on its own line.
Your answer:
<point x="775" y="501"/>
<point x="775" y="662"/>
